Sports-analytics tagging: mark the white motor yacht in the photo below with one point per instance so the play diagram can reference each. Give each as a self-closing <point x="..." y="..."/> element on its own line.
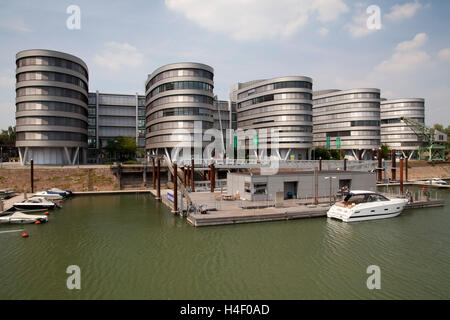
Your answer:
<point x="20" y="217"/>
<point x="48" y="195"/>
<point x="35" y="203"/>
<point x="366" y="205"/>
<point x="436" y="181"/>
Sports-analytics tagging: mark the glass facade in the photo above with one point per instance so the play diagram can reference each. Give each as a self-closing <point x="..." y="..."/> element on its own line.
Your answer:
<point x="51" y="107"/>
<point x="188" y="97"/>
<point x="352" y="115"/>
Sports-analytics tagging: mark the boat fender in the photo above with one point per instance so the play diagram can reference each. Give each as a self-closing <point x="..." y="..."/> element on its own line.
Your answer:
<point x="46" y="212"/>
<point x="37" y="222"/>
<point x="25" y="235"/>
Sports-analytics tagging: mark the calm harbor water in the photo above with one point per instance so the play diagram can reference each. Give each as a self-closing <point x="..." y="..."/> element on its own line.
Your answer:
<point x="131" y="247"/>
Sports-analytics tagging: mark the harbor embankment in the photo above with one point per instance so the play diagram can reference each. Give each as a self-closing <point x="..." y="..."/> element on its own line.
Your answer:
<point x="93" y="178"/>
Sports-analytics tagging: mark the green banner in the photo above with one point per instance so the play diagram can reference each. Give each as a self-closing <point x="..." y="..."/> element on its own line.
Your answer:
<point x="255" y="141"/>
<point x="328" y="143"/>
<point x="338" y="143"/>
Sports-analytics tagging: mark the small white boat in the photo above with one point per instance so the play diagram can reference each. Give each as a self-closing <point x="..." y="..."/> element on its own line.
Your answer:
<point x="19" y="217"/>
<point x="48" y="195"/>
<point x="436" y="181"/>
<point x="62" y="193"/>
<point x="35" y="203"/>
<point x="366" y="205"/>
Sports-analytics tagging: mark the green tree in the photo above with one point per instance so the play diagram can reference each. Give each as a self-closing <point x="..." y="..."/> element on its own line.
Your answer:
<point x="337" y="154"/>
<point x="385" y="151"/>
<point x="121" y="148"/>
<point x="323" y="153"/>
<point x="8" y="137"/>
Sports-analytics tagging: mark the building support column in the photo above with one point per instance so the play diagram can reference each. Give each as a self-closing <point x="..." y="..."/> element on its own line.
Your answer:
<point x="394" y="164"/>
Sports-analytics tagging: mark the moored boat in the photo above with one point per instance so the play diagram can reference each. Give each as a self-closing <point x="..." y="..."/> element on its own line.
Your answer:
<point x="35" y="203"/>
<point x="366" y="205"/>
<point x="62" y="193"/>
<point x="48" y="195"/>
<point x="20" y="217"/>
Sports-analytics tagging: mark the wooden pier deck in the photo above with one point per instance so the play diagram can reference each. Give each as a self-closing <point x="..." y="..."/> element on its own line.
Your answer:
<point x="223" y="212"/>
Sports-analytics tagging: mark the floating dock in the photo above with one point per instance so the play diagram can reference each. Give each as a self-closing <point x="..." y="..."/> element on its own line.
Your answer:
<point x="223" y="212"/>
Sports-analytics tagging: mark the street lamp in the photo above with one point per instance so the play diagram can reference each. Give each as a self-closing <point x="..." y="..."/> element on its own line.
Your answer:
<point x="331" y="181"/>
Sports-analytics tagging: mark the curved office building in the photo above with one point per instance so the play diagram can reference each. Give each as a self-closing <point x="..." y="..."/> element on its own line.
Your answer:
<point x="51" y="107"/>
<point x="353" y="116"/>
<point x="178" y="96"/>
<point x="283" y="104"/>
<point x="394" y="132"/>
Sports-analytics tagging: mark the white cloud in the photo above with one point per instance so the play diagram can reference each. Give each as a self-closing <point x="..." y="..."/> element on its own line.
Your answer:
<point x="358" y="27"/>
<point x="118" y="55"/>
<point x="323" y="31"/>
<point x="257" y="19"/>
<point x="405" y="11"/>
<point x="444" y="54"/>
<point x="408" y="55"/>
<point x="418" y="42"/>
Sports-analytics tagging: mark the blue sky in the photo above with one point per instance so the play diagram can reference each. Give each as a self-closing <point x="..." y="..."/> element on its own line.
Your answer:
<point x="124" y="41"/>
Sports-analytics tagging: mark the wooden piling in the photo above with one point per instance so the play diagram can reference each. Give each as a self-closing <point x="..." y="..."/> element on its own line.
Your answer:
<point x="379" y="170"/>
<point x="175" y="188"/>
<point x="158" y="180"/>
<point x="394" y="164"/>
<point x="401" y="175"/>
<point x="212" y="177"/>
<point x="153" y="173"/>
<point x="192" y="175"/>
<point x="406" y="169"/>
<point x="32" y="176"/>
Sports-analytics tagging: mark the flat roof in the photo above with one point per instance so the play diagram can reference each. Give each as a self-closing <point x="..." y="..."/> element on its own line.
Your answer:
<point x="286" y="172"/>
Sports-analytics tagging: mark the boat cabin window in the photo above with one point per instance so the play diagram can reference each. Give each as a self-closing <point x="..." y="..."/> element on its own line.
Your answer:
<point x="363" y="198"/>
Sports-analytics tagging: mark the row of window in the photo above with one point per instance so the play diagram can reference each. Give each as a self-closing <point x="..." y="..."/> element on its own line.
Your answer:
<point x="392" y="121"/>
<point x="395" y="129"/>
<point x="51" y="135"/>
<point x="178" y="125"/>
<point x="182" y="98"/>
<point x="51" y="76"/>
<point x="408" y="113"/>
<point x="278" y="96"/>
<point x="286" y="140"/>
<point x="402" y="105"/>
<point x="351" y="144"/>
<point x="347" y="115"/>
<point x="51" y="106"/>
<point x="51" y="61"/>
<point x="275" y="86"/>
<point x="180" y="85"/>
<point x="52" y="121"/>
<point x="401" y="136"/>
<point x="360" y="123"/>
<point x="189" y="111"/>
<point x="278" y="107"/>
<point x="347" y="106"/>
<point x="180" y="73"/>
<point x="350" y="133"/>
<point x="275" y="119"/>
<point x="402" y="144"/>
<point x="51" y="91"/>
<point x="351" y="96"/>
<point x="171" y="138"/>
